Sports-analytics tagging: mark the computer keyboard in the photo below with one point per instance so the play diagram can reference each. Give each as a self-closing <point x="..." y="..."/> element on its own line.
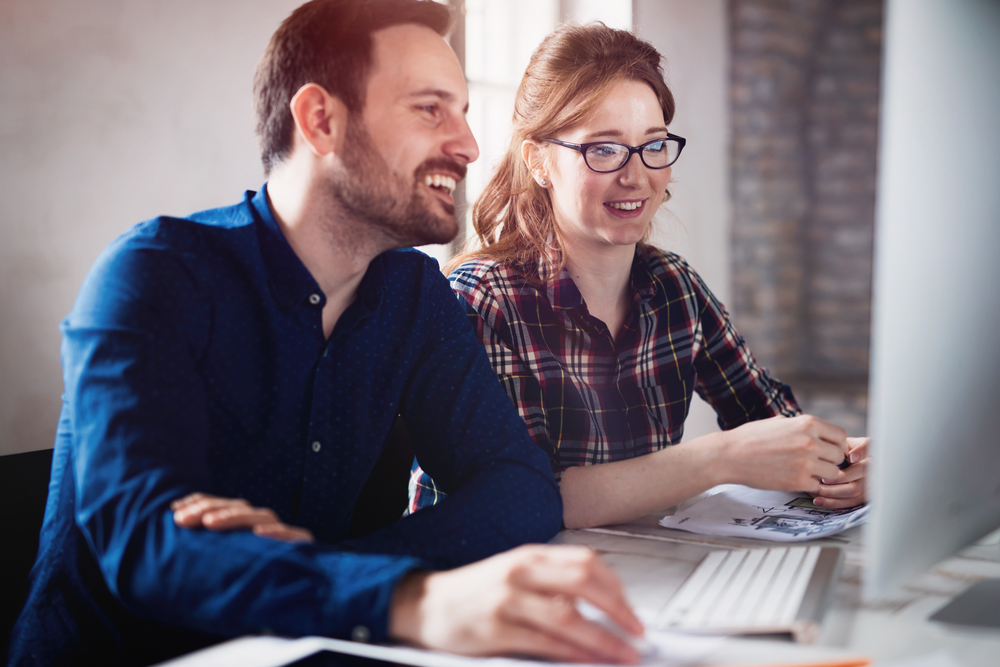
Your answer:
<point x="781" y="589"/>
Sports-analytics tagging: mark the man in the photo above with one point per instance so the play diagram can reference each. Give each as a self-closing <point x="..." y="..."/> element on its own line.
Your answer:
<point x="261" y="352"/>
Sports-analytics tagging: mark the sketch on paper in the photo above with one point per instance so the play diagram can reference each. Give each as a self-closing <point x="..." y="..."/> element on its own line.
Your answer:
<point x="783" y="523"/>
<point x="770" y="515"/>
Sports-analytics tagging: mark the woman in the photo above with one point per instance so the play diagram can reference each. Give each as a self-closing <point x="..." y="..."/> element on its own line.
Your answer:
<point x="599" y="338"/>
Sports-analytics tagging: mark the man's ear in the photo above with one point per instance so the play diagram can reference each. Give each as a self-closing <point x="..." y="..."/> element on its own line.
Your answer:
<point x="533" y="158"/>
<point x="320" y="119"/>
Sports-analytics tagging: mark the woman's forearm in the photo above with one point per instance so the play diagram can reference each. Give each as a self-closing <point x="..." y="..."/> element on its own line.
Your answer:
<point x="598" y="495"/>
<point x="781" y="454"/>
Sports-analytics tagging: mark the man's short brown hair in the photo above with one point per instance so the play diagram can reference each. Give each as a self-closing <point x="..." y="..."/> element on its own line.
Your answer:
<point x="329" y="43"/>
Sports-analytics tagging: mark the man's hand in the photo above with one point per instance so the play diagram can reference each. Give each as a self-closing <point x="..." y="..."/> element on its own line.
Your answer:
<point x="519" y="602"/>
<point x="847" y="488"/>
<point x="200" y="510"/>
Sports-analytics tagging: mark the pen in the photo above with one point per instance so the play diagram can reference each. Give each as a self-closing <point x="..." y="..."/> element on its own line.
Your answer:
<point x="845" y="464"/>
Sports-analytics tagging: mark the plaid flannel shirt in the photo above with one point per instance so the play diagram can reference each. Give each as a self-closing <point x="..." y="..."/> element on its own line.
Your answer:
<point x="587" y="398"/>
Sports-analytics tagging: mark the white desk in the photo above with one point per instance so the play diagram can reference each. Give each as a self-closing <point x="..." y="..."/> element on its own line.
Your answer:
<point x="653" y="561"/>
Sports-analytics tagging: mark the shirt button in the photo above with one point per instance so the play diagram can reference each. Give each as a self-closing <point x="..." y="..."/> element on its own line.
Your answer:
<point x="314" y="299"/>
<point x="316" y="446"/>
<point x="360" y="634"/>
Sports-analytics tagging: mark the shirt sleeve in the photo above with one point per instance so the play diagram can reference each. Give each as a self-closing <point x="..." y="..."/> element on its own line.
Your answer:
<point x="137" y="406"/>
<point x="471" y="441"/>
<point x="729" y="378"/>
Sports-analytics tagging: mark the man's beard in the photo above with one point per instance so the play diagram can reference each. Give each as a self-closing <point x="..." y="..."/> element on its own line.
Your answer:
<point x="372" y="192"/>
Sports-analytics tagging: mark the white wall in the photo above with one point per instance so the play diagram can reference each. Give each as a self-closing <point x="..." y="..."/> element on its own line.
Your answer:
<point x="111" y="112"/>
<point x="692" y="36"/>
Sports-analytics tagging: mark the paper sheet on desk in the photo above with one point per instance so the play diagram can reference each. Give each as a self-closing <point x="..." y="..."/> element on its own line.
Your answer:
<point x="663" y="649"/>
<point x="667" y="650"/>
<point x="740" y="511"/>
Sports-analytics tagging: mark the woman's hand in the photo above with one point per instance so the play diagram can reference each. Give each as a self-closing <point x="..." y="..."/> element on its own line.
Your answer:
<point x="523" y="602"/>
<point x="788" y="454"/>
<point x="848" y="488"/>
<point x="200" y="510"/>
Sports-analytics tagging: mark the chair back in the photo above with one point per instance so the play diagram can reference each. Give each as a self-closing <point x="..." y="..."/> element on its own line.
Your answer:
<point x="24" y="488"/>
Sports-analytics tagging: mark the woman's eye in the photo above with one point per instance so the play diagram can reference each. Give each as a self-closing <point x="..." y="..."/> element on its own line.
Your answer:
<point x="656" y="147"/>
<point x="603" y="150"/>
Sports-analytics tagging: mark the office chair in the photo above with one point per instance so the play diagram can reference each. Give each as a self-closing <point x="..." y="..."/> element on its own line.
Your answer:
<point x="24" y="488"/>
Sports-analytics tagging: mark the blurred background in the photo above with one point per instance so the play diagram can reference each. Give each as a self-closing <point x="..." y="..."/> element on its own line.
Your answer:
<point x="113" y="112"/>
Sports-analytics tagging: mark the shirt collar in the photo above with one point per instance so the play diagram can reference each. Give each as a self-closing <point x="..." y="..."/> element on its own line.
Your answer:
<point x="643" y="282"/>
<point x="563" y="293"/>
<point x="290" y="281"/>
<point x="371" y="289"/>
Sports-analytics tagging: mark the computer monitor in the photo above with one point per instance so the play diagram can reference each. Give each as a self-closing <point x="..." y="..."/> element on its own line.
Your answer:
<point x="934" y="411"/>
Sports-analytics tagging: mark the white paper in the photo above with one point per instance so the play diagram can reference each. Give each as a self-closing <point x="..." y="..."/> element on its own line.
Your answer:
<point x="739" y="511"/>
<point x="247" y="652"/>
<point x="664" y="649"/>
<point x="658" y="648"/>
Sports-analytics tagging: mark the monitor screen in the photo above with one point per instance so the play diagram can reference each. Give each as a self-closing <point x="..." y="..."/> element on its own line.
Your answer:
<point x="934" y="411"/>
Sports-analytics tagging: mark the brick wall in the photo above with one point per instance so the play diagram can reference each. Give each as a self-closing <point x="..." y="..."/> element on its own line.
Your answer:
<point x="804" y="101"/>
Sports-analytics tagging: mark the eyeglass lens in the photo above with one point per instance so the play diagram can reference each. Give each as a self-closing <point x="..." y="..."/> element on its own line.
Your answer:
<point x="609" y="157"/>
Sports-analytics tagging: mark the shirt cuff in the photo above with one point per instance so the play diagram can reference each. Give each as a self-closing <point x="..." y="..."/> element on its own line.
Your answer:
<point x="361" y="592"/>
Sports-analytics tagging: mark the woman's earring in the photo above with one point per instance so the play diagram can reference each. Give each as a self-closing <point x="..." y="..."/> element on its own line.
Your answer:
<point x="543" y="182"/>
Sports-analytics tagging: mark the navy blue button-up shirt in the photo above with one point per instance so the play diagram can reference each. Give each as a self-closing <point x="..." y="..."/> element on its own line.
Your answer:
<point x="194" y="360"/>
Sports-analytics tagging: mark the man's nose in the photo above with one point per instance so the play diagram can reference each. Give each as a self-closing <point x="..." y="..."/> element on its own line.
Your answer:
<point x="462" y="145"/>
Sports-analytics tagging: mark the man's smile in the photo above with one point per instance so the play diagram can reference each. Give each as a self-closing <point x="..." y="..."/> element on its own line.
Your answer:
<point x="443" y="182"/>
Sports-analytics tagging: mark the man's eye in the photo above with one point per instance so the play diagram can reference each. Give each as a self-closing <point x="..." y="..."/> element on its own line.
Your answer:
<point x="431" y="109"/>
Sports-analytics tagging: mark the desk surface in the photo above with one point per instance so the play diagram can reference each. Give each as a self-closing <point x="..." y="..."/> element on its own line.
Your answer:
<point x="653" y="561"/>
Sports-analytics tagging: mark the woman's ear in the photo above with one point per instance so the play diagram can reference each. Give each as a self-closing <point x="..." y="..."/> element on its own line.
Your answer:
<point x="533" y="158"/>
<point x="320" y="120"/>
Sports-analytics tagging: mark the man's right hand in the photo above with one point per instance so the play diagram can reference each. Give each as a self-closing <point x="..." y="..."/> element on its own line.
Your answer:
<point x="521" y="602"/>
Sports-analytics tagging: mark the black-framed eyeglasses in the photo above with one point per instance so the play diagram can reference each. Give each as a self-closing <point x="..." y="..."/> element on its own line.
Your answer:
<point x="607" y="156"/>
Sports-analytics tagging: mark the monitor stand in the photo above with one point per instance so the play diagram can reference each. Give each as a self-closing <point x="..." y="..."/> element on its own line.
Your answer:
<point x="979" y="606"/>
